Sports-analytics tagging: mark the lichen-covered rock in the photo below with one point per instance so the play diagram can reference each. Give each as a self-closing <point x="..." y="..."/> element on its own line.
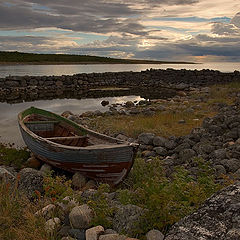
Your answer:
<point x="52" y="224"/>
<point x="81" y="216"/>
<point x="6" y="176"/>
<point x="127" y="218"/>
<point x="217" y="219"/>
<point x="154" y="235"/>
<point x="30" y="181"/>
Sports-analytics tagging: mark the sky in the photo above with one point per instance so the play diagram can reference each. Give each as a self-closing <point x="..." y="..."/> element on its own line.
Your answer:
<point x="171" y="30"/>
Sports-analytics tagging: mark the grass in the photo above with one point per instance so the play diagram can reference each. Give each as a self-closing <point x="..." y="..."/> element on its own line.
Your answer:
<point x="17" y="220"/>
<point x="163" y="124"/>
<point x="11" y="156"/>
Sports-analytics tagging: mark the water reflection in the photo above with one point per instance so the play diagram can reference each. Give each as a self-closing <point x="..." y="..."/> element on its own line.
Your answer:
<point x="9" y="131"/>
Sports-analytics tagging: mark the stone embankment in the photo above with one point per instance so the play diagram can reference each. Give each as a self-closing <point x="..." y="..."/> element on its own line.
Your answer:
<point x="13" y="87"/>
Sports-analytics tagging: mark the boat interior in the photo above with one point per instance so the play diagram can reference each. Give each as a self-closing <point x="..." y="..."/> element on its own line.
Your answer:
<point x="59" y="132"/>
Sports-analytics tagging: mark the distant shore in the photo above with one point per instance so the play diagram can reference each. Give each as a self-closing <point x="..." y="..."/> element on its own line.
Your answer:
<point x="90" y="63"/>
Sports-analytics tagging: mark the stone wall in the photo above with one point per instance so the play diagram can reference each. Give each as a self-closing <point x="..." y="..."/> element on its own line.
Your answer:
<point x="55" y="85"/>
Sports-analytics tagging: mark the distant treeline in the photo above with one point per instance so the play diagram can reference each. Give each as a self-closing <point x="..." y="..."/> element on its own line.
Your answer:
<point x="18" y="57"/>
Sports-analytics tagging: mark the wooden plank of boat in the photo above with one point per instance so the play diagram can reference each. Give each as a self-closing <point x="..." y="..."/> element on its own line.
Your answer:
<point x="70" y="146"/>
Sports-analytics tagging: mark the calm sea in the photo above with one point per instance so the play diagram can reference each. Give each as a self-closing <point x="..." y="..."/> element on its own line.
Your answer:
<point x="58" y="70"/>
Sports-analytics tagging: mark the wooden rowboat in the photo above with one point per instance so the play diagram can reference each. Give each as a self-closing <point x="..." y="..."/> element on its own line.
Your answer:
<point x="62" y="143"/>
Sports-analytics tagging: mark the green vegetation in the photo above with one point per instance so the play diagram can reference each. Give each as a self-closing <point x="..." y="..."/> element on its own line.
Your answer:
<point x="167" y="200"/>
<point x="34" y="58"/>
<point x="11" y="156"/>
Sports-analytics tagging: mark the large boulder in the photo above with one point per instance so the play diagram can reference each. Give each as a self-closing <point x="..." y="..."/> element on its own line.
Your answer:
<point x="81" y="216"/>
<point x="127" y="218"/>
<point x="217" y="219"/>
<point x="30" y="181"/>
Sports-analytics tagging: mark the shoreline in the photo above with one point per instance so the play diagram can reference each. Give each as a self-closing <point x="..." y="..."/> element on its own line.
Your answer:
<point x="90" y="63"/>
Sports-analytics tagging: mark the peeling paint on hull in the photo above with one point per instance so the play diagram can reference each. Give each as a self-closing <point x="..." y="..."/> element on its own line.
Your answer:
<point x="108" y="163"/>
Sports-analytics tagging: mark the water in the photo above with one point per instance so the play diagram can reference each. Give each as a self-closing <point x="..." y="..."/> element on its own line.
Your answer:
<point x="58" y="70"/>
<point x="9" y="132"/>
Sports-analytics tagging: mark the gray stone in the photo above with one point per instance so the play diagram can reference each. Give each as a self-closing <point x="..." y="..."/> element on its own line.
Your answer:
<point x="77" y="234"/>
<point x="159" y="141"/>
<point x="6" y="176"/>
<point x="94" y="232"/>
<point x="216" y="219"/>
<point x="231" y="165"/>
<point x="146" y="138"/>
<point x="220" y="170"/>
<point x="160" y="151"/>
<point x="81" y="216"/>
<point x="52" y="225"/>
<point x="127" y="218"/>
<point x="122" y="137"/>
<point x="45" y="168"/>
<point x="219" y="154"/>
<point x="63" y="232"/>
<point x="110" y="231"/>
<point x="112" y="237"/>
<point x="30" y="181"/>
<point x="46" y="212"/>
<point x="170" y="144"/>
<point x="78" y="180"/>
<point x="154" y="235"/>
<point x="187" y="154"/>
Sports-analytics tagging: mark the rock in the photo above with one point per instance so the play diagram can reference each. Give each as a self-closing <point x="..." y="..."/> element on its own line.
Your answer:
<point x="187" y="154"/>
<point x="110" y="231"/>
<point x="6" y="176"/>
<point x="81" y="216"/>
<point x="182" y="121"/>
<point x="159" y="141"/>
<point x="231" y="165"/>
<point x="67" y="204"/>
<point x="104" y="103"/>
<point x="154" y="235"/>
<point x="33" y="162"/>
<point x="146" y="138"/>
<point x="68" y="238"/>
<point x="77" y="234"/>
<point x="129" y="104"/>
<point x="52" y="224"/>
<point x="160" y="151"/>
<point x="45" y="168"/>
<point x="127" y="218"/>
<point x="66" y="114"/>
<point x="30" y="181"/>
<point x="148" y="154"/>
<point x="91" y="184"/>
<point x="216" y="219"/>
<point x="63" y="232"/>
<point x="78" y="180"/>
<point x="170" y="144"/>
<point x="220" y="170"/>
<point x="112" y="237"/>
<point x="122" y="137"/>
<point x="46" y="212"/>
<point x="94" y="232"/>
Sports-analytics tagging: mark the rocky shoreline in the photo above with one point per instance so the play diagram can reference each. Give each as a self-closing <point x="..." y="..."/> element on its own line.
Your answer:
<point x="15" y="88"/>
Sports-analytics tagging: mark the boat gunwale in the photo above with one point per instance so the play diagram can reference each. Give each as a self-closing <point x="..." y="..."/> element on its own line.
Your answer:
<point x="118" y="143"/>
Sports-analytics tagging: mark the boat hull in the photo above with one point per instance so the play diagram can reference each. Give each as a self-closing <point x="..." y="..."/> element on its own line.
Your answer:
<point x="110" y="164"/>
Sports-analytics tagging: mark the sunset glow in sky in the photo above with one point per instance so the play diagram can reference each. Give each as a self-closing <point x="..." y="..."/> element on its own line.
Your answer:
<point x="187" y="30"/>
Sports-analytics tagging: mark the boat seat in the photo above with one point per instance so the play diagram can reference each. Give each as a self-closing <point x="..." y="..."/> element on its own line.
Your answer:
<point x="67" y="138"/>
